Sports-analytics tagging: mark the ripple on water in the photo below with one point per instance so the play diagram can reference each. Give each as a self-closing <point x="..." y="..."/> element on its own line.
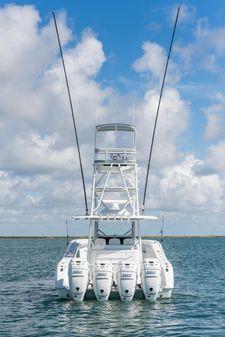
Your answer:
<point x="30" y="306"/>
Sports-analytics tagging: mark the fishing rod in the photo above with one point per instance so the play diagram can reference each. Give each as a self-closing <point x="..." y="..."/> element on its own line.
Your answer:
<point x="157" y="112"/>
<point x="72" y="111"/>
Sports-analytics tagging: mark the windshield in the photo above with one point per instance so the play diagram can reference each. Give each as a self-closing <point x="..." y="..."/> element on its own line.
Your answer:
<point x="115" y="139"/>
<point x="71" y="249"/>
<point x="114" y="228"/>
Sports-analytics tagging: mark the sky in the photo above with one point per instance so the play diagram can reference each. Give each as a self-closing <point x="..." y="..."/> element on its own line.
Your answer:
<point x="115" y="54"/>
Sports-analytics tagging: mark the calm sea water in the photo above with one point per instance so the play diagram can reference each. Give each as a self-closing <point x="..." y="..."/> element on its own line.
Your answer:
<point x="29" y="305"/>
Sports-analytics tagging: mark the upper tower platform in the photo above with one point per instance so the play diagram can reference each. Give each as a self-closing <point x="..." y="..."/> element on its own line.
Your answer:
<point x="115" y="143"/>
<point x="114" y="184"/>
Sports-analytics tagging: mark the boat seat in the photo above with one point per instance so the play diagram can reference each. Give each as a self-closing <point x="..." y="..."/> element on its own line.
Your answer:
<point x="100" y="242"/>
<point x="114" y="241"/>
<point x="128" y="241"/>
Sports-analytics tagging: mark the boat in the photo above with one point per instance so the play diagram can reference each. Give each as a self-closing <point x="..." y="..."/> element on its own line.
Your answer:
<point x="114" y="262"/>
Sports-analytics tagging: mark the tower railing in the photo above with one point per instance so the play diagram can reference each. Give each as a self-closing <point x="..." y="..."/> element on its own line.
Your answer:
<point x="111" y="155"/>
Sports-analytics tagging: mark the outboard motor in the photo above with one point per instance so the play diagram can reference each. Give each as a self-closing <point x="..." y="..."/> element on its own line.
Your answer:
<point x="62" y="280"/>
<point x="126" y="281"/>
<point x="78" y="278"/>
<point x="151" y="278"/>
<point x="102" y="280"/>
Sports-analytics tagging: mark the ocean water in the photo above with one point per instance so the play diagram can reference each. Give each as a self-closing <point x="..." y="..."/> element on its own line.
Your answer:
<point x="29" y="305"/>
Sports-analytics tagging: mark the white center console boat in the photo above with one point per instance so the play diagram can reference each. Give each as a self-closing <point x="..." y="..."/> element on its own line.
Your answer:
<point x="114" y="262"/>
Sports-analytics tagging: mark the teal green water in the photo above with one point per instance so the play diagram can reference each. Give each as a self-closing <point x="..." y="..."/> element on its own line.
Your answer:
<point x="29" y="305"/>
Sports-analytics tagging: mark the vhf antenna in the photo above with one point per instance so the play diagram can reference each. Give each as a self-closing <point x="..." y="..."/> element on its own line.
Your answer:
<point x="157" y="112"/>
<point x="67" y="233"/>
<point x="72" y="111"/>
<point x="162" y="228"/>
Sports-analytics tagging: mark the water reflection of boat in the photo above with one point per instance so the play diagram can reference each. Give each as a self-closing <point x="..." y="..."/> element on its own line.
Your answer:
<point x="114" y="262"/>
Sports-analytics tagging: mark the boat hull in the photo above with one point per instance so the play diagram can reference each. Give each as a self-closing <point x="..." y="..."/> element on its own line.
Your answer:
<point x="125" y="278"/>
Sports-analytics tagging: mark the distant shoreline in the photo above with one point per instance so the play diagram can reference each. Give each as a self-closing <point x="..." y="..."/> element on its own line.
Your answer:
<point x="144" y="237"/>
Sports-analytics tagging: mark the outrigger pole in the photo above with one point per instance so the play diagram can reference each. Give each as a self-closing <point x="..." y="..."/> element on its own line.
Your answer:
<point x="72" y="111"/>
<point x="157" y="112"/>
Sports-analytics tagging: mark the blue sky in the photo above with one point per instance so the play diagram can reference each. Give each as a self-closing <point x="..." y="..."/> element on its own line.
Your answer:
<point x="115" y="53"/>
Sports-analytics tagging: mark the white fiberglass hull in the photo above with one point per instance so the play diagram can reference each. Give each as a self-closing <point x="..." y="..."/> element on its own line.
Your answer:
<point x="115" y="272"/>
